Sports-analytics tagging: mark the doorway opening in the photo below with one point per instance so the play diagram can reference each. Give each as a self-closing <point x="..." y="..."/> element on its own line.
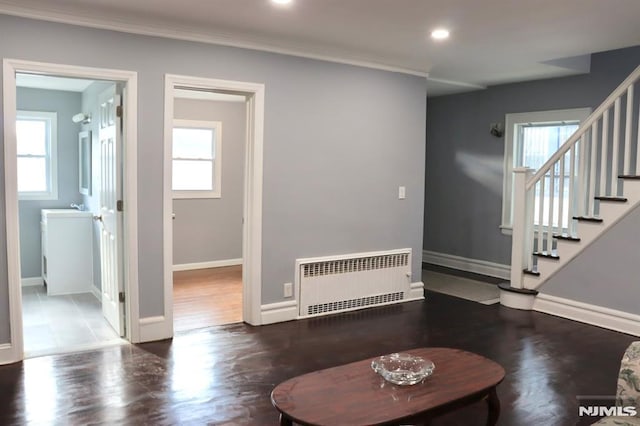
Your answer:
<point x="208" y="143"/>
<point x="64" y="181"/>
<point x="213" y="201"/>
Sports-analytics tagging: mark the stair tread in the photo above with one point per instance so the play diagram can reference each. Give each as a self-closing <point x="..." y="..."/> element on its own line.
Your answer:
<point x="613" y="199"/>
<point x="628" y="176"/>
<point x="530" y="272"/>
<point x="566" y="237"/>
<point x="507" y="287"/>
<point x="588" y="218"/>
<point x="546" y="254"/>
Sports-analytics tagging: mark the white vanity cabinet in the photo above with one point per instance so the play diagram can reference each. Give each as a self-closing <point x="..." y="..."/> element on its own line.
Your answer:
<point x="67" y="251"/>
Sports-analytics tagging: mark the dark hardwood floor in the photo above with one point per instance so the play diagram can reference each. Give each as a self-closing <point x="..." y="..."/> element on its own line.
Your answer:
<point x="223" y="375"/>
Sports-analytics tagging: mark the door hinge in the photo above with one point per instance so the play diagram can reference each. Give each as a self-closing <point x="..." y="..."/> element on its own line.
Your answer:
<point x="121" y="297"/>
<point x="119" y="205"/>
<point x="119" y="111"/>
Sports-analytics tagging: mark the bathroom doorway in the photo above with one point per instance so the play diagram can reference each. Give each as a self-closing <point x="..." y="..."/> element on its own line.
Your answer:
<point x="67" y="180"/>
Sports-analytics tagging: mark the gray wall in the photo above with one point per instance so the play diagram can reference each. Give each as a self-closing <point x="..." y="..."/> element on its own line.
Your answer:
<point x="90" y="105"/>
<point x="606" y="273"/>
<point x="464" y="163"/>
<point x="339" y="140"/>
<point x="210" y="229"/>
<point x="66" y="104"/>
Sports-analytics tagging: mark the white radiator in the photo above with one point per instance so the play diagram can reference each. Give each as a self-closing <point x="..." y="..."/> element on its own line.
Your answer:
<point x="344" y="283"/>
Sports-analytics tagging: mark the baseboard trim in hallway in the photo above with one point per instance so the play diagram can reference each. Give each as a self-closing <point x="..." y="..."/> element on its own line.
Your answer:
<point x="611" y="319"/>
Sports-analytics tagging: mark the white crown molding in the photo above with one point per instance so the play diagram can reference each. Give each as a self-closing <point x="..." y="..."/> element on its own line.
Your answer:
<point x="186" y="35"/>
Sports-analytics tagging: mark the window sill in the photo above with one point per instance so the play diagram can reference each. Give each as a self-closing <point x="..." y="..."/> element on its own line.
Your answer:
<point x="188" y="195"/>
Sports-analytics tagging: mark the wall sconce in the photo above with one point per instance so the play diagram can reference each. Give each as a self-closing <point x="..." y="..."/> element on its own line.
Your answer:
<point x="496" y="130"/>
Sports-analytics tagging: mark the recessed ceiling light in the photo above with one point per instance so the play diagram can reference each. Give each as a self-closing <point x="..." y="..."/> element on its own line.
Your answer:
<point x="440" y="34"/>
<point x="281" y="1"/>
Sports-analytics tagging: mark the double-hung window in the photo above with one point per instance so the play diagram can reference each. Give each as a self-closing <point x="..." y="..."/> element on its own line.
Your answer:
<point x="36" y="139"/>
<point x="197" y="158"/>
<point x="530" y="140"/>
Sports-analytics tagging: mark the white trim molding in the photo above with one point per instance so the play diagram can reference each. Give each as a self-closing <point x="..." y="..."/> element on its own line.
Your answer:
<point x="206" y="265"/>
<point x="188" y="34"/>
<point x="155" y="328"/>
<point x="475" y="266"/>
<point x="611" y="319"/>
<point x="279" y="312"/>
<point x="130" y="173"/>
<point x="7" y="354"/>
<point x="31" y="282"/>
<point x="417" y="291"/>
<point x="253" y="170"/>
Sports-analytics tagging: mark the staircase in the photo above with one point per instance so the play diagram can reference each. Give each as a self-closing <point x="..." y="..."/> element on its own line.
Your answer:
<point x="584" y="189"/>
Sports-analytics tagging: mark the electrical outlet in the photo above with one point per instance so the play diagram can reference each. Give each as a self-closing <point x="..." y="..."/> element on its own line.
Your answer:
<point x="288" y="290"/>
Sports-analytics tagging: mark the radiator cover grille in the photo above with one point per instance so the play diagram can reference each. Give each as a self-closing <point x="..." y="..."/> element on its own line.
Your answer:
<point x="344" y="283"/>
<point x="363" y="302"/>
<point x="343" y="266"/>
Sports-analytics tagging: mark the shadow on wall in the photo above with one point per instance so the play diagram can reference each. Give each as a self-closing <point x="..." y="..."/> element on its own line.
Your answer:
<point x="487" y="170"/>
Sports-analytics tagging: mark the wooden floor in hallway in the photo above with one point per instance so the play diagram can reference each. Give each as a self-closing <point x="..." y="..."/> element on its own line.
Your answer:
<point x="207" y="297"/>
<point x="224" y="375"/>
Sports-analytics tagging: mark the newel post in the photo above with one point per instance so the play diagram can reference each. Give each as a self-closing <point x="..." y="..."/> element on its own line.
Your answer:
<point x="522" y="222"/>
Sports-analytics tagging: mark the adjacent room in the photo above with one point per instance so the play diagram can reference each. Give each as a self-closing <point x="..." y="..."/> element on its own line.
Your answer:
<point x="319" y="212"/>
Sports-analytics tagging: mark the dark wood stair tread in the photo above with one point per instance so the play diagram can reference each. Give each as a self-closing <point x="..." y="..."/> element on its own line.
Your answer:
<point x="628" y="177"/>
<point x="546" y="255"/>
<point x="566" y="237"/>
<point x="613" y="199"/>
<point x="507" y="287"/>
<point x="530" y="272"/>
<point x="588" y="219"/>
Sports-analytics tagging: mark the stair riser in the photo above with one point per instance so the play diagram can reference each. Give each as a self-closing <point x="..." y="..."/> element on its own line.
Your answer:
<point x="632" y="190"/>
<point x="612" y="211"/>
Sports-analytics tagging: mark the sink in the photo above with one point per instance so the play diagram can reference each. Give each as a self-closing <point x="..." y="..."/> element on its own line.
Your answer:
<point x="65" y="213"/>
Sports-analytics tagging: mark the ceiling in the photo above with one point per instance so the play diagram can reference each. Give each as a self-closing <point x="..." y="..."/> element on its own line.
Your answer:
<point x="492" y="41"/>
<point x="37" y="81"/>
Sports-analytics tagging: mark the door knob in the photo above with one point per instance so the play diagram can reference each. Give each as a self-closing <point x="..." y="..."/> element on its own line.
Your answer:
<point x="173" y="216"/>
<point x="97" y="218"/>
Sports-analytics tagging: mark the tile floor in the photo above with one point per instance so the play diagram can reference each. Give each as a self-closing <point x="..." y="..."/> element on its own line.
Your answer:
<point x="465" y="288"/>
<point x="54" y="324"/>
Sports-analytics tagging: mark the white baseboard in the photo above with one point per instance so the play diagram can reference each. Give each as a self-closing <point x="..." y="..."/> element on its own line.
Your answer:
<point x="96" y="292"/>
<point x="279" y="312"/>
<point x="31" y="282"/>
<point x="206" y="265"/>
<point x="476" y="266"/>
<point x="417" y="291"/>
<point x="7" y="354"/>
<point x="611" y="319"/>
<point x="155" y="328"/>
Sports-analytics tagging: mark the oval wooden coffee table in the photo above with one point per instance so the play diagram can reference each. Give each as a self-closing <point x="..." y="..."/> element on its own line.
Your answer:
<point x="353" y="394"/>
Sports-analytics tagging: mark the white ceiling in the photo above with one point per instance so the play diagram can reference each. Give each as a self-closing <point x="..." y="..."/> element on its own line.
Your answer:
<point x="492" y="41"/>
<point x="37" y="81"/>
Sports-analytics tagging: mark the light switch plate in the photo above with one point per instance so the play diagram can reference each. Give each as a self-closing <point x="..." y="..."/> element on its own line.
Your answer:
<point x="402" y="193"/>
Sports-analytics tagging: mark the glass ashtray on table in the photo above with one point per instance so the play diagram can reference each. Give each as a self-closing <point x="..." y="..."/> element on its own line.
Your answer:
<point x="403" y="368"/>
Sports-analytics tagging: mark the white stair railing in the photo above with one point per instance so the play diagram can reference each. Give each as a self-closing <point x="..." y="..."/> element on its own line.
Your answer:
<point x="595" y="155"/>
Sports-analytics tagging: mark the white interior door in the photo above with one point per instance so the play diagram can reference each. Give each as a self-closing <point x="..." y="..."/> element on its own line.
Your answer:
<point x="110" y="135"/>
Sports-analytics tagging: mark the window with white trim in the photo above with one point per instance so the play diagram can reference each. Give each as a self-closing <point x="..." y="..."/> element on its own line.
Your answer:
<point x="197" y="159"/>
<point x="530" y="140"/>
<point x="36" y="146"/>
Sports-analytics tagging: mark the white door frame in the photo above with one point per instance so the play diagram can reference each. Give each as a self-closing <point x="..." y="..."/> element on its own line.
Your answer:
<point x="252" y="209"/>
<point x="15" y="352"/>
